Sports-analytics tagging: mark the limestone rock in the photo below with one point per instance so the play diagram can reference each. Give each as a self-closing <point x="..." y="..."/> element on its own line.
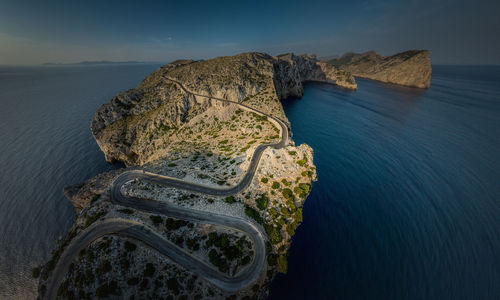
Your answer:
<point x="140" y="122"/>
<point x="409" y="68"/>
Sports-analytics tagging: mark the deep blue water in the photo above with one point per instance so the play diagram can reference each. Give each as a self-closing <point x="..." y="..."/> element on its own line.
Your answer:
<point x="45" y="144"/>
<point x="407" y="205"/>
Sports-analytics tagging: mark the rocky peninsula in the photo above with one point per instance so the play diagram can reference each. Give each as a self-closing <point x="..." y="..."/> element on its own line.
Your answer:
<point x="410" y="68"/>
<point x="212" y="192"/>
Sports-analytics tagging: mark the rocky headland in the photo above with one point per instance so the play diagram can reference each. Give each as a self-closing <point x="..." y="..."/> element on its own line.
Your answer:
<point x="201" y="122"/>
<point x="409" y="68"/>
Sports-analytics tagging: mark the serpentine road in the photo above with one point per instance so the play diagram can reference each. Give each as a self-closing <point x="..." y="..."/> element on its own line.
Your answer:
<point x="149" y="236"/>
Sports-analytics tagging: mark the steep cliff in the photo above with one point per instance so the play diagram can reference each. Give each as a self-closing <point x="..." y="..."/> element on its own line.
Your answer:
<point x="137" y="124"/>
<point x="409" y="68"/>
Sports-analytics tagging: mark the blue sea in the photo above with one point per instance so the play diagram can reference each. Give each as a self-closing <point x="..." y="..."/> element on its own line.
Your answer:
<point x="407" y="205"/>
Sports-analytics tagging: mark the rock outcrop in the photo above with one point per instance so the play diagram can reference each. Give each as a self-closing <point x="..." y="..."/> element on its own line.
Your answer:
<point x="409" y="68"/>
<point x="138" y="123"/>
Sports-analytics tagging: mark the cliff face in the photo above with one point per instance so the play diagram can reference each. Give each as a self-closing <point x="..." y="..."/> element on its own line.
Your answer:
<point x="138" y="123"/>
<point x="410" y="68"/>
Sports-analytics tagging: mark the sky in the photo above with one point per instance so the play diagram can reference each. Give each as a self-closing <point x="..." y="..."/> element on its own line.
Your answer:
<point x="455" y="31"/>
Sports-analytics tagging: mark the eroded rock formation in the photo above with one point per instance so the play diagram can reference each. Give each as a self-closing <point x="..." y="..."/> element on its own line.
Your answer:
<point x="409" y="68"/>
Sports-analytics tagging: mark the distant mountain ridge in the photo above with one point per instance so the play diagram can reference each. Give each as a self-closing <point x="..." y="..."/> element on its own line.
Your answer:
<point x="409" y="68"/>
<point x="97" y="62"/>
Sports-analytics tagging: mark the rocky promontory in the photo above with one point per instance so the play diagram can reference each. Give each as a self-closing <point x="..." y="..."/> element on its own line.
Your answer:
<point x="139" y="125"/>
<point x="409" y="68"/>
<point x="198" y="122"/>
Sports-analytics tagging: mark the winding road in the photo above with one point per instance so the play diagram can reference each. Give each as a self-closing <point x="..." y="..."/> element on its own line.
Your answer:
<point x="149" y="236"/>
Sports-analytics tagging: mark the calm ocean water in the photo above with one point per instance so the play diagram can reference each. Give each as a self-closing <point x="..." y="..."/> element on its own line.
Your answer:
<point x="407" y="205"/>
<point x="45" y="144"/>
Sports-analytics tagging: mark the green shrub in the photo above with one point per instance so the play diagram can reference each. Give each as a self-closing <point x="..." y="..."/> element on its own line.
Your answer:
<point x="106" y="289"/>
<point x="252" y="213"/>
<point x="273" y="212"/>
<point x="230" y="199"/>
<point x="93" y="218"/>
<point x="276" y="185"/>
<point x="262" y="202"/>
<point x="291" y="204"/>
<point x="291" y="228"/>
<point x="193" y="244"/>
<point x="125" y="263"/>
<point x="264" y="180"/>
<point x="149" y="271"/>
<point x="282" y="264"/>
<point x="156" y="220"/>
<point x="287" y="193"/>
<point x="297" y="215"/>
<point x="285" y="182"/>
<point x="129" y="246"/>
<point x="245" y="260"/>
<point x="35" y="272"/>
<point x="172" y="165"/>
<point x="303" y="161"/>
<point x="306" y="187"/>
<point x="173" y="285"/>
<point x="292" y="152"/>
<point x="273" y="233"/>
<point x="133" y="281"/>
<point x="307" y="173"/>
<point x="302" y="190"/>
<point x="94" y="198"/>
<point x="104" y="267"/>
<point x="172" y="224"/>
<point x="217" y="260"/>
<point x="271" y="259"/>
<point x="126" y="211"/>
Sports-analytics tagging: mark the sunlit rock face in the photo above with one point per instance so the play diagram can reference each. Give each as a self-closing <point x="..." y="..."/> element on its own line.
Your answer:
<point x="409" y="68"/>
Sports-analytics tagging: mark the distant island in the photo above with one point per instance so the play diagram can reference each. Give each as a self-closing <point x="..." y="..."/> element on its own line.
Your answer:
<point x="97" y="62"/>
<point x="409" y="68"/>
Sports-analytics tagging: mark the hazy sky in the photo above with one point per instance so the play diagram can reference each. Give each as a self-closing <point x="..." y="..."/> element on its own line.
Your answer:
<point x="455" y="31"/>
